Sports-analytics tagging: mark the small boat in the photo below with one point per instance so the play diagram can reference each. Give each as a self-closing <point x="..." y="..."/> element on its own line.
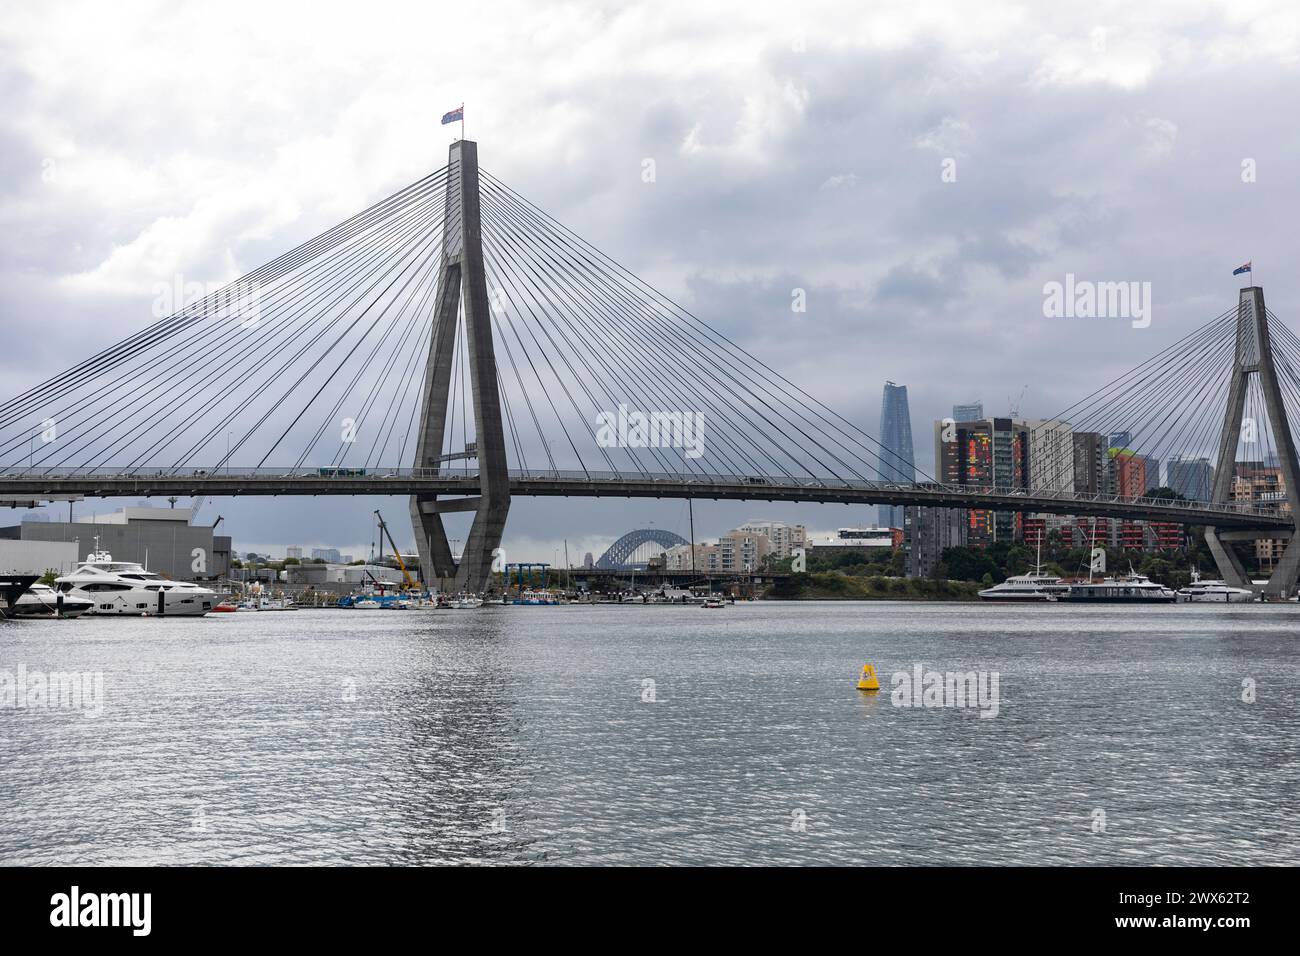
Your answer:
<point x="12" y="587"/>
<point x="264" y="604"/>
<point x="367" y="604"/>
<point x="41" y="600"/>
<point x="534" y="596"/>
<point x="1214" y="592"/>
<point x="714" y="602"/>
<point x="465" y="602"/>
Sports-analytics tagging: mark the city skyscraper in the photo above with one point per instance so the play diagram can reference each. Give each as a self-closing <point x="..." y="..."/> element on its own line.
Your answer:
<point x="1192" y="478"/>
<point x="993" y="453"/>
<point x="968" y="413"/>
<point x="896" y="459"/>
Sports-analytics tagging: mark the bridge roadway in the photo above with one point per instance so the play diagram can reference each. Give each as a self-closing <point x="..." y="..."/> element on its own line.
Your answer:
<point x="17" y="487"/>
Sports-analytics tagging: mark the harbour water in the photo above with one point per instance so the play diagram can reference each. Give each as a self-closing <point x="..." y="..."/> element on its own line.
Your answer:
<point x="652" y="735"/>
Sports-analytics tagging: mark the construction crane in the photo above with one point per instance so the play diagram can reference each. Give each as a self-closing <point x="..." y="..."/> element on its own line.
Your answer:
<point x="383" y="533"/>
<point x="1014" y="406"/>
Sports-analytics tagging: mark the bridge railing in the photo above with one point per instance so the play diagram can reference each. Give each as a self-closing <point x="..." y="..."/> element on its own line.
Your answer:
<point x="704" y="482"/>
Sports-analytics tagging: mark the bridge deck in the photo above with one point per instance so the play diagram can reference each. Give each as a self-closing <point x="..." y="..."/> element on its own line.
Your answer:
<point x="108" y="483"/>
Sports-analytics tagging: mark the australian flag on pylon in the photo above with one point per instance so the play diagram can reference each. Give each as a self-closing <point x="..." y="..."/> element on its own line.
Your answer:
<point x="1241" y="268"/>
<point x="455" y="116"/>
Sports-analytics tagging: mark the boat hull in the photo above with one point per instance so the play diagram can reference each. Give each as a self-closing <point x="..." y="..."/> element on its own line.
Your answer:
<point x="1117" y="599"/>
<point x="25" y="609"/>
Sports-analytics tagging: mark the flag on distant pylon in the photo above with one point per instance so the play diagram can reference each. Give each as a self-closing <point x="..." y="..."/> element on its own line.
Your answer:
<point x="1244" y="267"/>
<point x="455" y="116"/>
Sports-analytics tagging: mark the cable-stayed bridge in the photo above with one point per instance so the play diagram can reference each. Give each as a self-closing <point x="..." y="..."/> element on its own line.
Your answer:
<point x="455" y="344"/>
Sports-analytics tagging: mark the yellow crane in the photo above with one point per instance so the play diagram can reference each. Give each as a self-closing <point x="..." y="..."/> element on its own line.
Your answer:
<point x="383" y="532"/>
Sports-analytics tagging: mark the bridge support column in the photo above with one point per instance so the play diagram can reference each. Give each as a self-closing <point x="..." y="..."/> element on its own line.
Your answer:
<point x="1254" y="356"/>
<point x="462" y="288"/>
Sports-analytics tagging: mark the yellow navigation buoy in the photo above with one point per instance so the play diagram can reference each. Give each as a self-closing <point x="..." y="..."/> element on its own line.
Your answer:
<point x="868" y="680"/>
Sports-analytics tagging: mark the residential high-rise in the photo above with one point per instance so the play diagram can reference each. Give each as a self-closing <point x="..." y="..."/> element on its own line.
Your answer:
<point x="896" y="460"/>
<point x="968" y="413"/>
<point x="742" y="551"/>
<point x="991" y="453"/>
<point x="929" y="532"/>
<point x="1051" y="455"/>
<point x="1263" y="485"/>
<point x="1089" y="463"/>
<point x="782" y="538"/>
<point x="1127" y="473"/>
<point x="1192" y="478"/>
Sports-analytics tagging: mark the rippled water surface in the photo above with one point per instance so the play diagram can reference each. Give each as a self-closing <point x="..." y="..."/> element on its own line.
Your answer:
<point x="523" y="735"/>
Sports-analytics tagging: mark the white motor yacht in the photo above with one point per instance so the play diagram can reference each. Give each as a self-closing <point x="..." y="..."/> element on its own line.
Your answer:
<point x="1026" y="588"/>
<point x="126" y="588"/>
<point x="41" y="600"/>
<point x="1035" y="586"/>
<point x="1214" y="592"/>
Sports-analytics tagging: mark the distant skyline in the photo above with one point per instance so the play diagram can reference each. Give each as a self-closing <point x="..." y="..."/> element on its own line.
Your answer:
<point x="919" y="174"/>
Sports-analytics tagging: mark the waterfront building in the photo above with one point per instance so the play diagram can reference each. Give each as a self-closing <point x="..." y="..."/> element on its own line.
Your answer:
<point x="782" y="538"/>
<point x="1261" y="483"/>
<point x="742" y="551"/>
<point x="707" y="559"/>
<point x="928" y="532"/>
<point x="896" y="458"/>
<point x="161" y="539"/>
<point x="1131" y="535"/>
<point x="858" y="539"/>
<point x="36" y="557"/>
<point x="1165" y="536"/>
<point x="1092" y="531"/>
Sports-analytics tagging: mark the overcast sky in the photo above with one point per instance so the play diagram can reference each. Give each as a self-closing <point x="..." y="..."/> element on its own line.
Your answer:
<point x="795" y="146"/>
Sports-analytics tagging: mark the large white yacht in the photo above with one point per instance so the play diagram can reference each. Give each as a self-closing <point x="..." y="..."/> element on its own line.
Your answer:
<point x="124" y="587"/>
<point x="1214" y="592"/>
<point x="41" y="600"/>
<point x="1026" y="588"/>
<point x="1033" y="587"/>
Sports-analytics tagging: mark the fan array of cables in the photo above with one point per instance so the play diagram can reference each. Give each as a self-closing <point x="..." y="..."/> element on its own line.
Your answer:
<point x="318" y="358"/>
<point x="1168" y="413"/>
<point x="306" y="359"/>
<point x="592" y="357"/>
